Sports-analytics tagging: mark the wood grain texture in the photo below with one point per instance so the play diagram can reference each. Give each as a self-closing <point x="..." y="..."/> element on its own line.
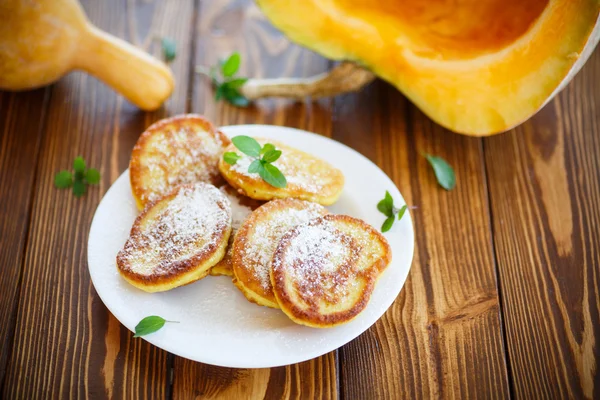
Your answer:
<point x="18" y="135"/>
<point x="526" y="210"/>
<point x="547" y="238"/>
<point x="223" y="27"/>
<point x="66" y="343"/>
<point x="442" y="336"/>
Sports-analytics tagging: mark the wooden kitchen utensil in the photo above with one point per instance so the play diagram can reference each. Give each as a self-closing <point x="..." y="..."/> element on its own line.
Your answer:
<point x="42" y="40"/>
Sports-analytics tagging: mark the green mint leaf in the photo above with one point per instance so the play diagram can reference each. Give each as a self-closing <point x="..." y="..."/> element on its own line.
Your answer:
<point x="273" y="176"/>
<point x="169" y="49"/>
<point x="63" y="180"/>
<point x="229" y="88"/>
<point x="272" y="156"/>
<point x="383" y="207"/>
<point x="229" y="92"/>
<point x="387" y="224"/>
<point x="386" y="206"/>
<point x="247" y="145"/>
<point x="220" y="92"/>
<point x="149" y="325"/>
<point x="79" y="179"/>
<point x="92" y="176"/>
<point x="238" y="100"/>
<point x="231" y="157"/>
<point x="231" y="65"/>
<point x="401" y="212"/>
<point x="79" y="188"/>
<point x="255" y="166"/>
<point x="389" y="201"/>
<point x="443" y="172"/>
<point x="267" y="147"/>
<point x="79" y="164"/>
<point x="236" y="83"/>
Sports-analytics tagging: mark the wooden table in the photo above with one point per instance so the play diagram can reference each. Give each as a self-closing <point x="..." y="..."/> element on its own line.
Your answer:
<point x="503" y="296"/>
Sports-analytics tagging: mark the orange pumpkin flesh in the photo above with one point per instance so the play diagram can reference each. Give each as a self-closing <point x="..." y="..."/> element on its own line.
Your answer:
<point x="475" y="67"/>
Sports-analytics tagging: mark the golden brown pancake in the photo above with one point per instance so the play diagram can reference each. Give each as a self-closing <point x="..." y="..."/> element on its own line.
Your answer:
<point x="179" y="150"/>
<point x="323" y="272"/>
<point x="308" y="177"/>
<point x="241" y="208"/>
<point x="177" y="239"/>
<point x="256" y="240"/>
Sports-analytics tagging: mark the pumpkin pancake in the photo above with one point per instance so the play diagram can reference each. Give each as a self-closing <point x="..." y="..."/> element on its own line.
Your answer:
<point x="241" y="207"/>
<point x="324" y="271"/>
<point x="177" y="239"/>
<point x="308" y="177"/>
<point x="179" y="150"/>
<point x="256" y="240"/>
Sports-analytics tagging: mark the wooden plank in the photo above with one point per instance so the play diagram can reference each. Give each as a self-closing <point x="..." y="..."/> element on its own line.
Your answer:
<point x="66" y="342"/>
<point x="21" y="121"/>
<point x="547" y="239"/>
<point x="442" y="336"/>
<point x="226" y="26"/>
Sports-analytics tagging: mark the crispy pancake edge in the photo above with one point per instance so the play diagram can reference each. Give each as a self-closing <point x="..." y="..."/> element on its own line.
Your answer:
<point x="315" y="319"/>
<point x="135" y="169"/>
<point x="183" y="271"/>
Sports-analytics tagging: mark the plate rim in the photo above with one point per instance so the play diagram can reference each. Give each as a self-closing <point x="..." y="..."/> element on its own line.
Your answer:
<point x="165" y="345"/>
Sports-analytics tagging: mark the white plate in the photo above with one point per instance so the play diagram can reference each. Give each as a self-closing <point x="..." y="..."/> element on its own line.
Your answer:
<point x="217" y="325"/>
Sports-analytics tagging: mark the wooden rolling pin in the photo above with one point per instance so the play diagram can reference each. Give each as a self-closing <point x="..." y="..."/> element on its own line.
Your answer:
<point x="42" y="40"/>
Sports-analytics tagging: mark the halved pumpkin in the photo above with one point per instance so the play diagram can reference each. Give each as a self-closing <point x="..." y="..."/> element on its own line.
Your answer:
<point x="474" y="66"/>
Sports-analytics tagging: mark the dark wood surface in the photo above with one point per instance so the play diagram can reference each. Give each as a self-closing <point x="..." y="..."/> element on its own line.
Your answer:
<point x="442" y="336"/>
<point x="503" y="296"/>
<point x="544" y="189"/>
<point x="17" y="177"/>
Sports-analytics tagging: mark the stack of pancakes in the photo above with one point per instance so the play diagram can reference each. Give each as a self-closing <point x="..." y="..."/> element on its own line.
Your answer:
<point x="281" y="246"/>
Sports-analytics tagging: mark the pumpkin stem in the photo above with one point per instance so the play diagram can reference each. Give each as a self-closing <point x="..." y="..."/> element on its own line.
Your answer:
<point x="343" y="78"/>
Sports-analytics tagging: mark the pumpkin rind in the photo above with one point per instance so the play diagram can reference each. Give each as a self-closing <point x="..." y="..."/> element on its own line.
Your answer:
<point x="473" y="89"/>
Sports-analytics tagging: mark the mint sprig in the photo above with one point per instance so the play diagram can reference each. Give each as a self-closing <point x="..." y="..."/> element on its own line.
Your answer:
<point x="264" y="157"/>
<point x="386" y="207"/>
<point x="231" y="157"/>
<point x="78" y="179"/>
<point x="150" y="325"/>
<point x="227" y="85"/>
<point x="443" y="171"/>
<point x="169" y="48"/>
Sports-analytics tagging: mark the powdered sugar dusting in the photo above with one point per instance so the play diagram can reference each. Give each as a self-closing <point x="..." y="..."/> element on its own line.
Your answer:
<point x="240" y="207"/>
<point x="318" y="249"/>
<point x="318" y="259"/>
<point x="190" y="224"/>
<point x="242" y="164"/>
<point x="267" y="232"/>
<point x="176" y="157"/>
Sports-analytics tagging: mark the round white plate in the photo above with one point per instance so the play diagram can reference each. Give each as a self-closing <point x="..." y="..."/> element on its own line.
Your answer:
<point x="217" y="325"/>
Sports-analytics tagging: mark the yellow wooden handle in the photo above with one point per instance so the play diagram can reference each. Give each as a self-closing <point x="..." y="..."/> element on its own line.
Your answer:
<point x="138" y="76"/>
